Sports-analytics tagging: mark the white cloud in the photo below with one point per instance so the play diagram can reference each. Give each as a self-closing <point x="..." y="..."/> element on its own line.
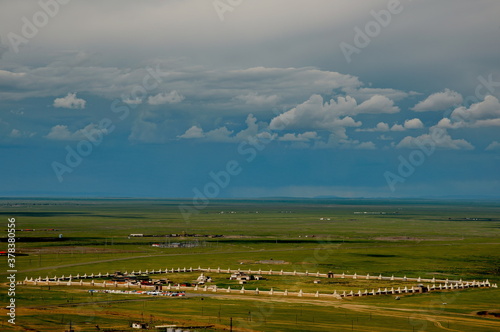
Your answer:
<point x="266" y="136"/>
<point x="482" y="114"/>
<point x="16" y="133"/>
<point x="489" y="108"/>
<point x="439" y="101"/>
<point x="313" y="114"/>
<point x="381" y="126"/>
<point x="493" y="146"/>
<point x="173" y="97"/>
<point x="304" y="137"/>
<point x="253" y="85"/>
<point x="132" y="101"/>
<point x="70" y="101"/>
<point x="446" y="123"/>
<point x="397" y="127"/>
<point x="413" y="124"/>
<point x="253" y="131"/>
<point x="408" y="124"/>
<point x="252" y="128"/>
<point x="376" y="105"/>
<point x="339" y="139"/>
<point x="486" y="123"/>
<point x="193" y="132"/>
<point x="221" y="134"/>
<point x="438" y="137"/>
<point x="62" y="133"/>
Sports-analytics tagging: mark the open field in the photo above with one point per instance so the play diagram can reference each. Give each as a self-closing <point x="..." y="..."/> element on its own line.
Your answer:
<point x="455" y="240"/>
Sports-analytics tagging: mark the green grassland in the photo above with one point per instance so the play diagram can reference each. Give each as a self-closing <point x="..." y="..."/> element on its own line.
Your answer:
<point x="441" y="239"/>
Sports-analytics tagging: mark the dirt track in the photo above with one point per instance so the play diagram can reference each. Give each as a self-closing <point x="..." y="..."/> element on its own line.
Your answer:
<point x="438" y="319"/>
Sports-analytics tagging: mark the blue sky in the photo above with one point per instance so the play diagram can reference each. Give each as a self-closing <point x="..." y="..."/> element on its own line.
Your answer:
<point x="250" y="98"/>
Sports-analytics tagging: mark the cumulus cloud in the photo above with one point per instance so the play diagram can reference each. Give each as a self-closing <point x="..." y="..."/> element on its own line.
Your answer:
<point x="70" y="101"/>
<point x="495" y="145"/>
<point x="253" y="131"/>
<point x="439" y="101"/>
<point x="446" y="123"/>
<point x="173" y="97"/>
<point x="408" y="124"/>
<point x="62" y="133"/>
<point x="397" y="127"/>
<point x="349" y="144"/>
<point x="365" y="146"/>
<point x="16" y="133"/>
<point x="317" y="114"/>
<point x="482" y="114"/>
<point x="252" y="128"/>
<point x="314" y="114"/>
<point x="438" y="138"/>
<point x="333" y="116"/>
<point x="489" y="108"/>
<point x="304" y="137"/>
<point x="193" y="132"/>
<point x="413" y="124"/>
<point x="381" y="126"/>
<point x="376" y="105"/>
<point x="339" y="139"/>
<point x="221" y="134"/>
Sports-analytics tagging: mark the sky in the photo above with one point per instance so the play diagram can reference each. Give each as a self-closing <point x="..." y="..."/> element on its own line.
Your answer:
<point x="210" y="99"/>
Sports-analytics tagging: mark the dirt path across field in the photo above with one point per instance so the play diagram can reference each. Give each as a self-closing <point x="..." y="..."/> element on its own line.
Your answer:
<point x="438" y="319"/>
